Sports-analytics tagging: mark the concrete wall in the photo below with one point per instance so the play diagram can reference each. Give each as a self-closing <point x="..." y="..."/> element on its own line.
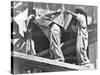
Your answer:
<point x="93" y="53"/>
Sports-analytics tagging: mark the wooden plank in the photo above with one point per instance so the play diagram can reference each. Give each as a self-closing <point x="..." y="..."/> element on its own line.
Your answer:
<point x="46" y="63"/>
<point x="42" y="53"/>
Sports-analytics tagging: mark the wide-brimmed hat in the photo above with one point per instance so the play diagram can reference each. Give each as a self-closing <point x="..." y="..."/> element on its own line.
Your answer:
<point x="32" y="12"/>
<point x="80" y="9"/>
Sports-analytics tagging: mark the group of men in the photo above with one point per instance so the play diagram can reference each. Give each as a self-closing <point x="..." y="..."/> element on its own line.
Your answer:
<point x="54" y="35"/>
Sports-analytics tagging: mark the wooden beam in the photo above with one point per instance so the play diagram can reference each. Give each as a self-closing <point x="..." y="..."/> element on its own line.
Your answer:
<point x="42" y="53"/>
<point x="43" y="63"/>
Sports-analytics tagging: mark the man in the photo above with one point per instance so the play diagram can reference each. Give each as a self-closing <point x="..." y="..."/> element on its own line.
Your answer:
<point x="30" y="47"/>
<point x="54" y="34"/>
<point x="82" y="36"/>
<point x="55" y="42"/>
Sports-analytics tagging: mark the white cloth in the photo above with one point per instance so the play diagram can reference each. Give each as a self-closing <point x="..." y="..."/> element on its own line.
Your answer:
<point x="20" y="20"/>
<point x="82" y="40"/>
<point x="55" y="44"/>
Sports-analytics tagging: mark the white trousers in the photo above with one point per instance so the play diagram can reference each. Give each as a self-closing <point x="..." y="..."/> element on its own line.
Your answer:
<point x="55" y="45"/>
<point x="81" y="48"/>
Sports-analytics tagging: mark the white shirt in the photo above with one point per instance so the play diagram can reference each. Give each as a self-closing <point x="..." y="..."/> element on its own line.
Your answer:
<point x="82" y="29"/>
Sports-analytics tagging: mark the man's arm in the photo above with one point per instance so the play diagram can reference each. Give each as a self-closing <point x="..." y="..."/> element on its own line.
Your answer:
<point x="52" y="16"/>
<point x="68" y="20"/>
<point x="46" y="19"/>
<point x="70" y="12"/>
<point x="30" y="23"/>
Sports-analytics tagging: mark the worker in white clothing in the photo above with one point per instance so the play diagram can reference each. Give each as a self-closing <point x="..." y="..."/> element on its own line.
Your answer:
<point x="30" y="47"/>
<point x="82" y="36"/>
<point x="54" y="34"/>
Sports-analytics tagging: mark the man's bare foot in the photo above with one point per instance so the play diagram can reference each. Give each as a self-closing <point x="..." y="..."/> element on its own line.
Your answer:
<point x="88" y="65"/>
<point x="59" y="59"/>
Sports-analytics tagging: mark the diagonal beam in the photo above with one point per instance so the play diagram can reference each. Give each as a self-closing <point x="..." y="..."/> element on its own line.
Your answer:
<point x="44" y="63"/>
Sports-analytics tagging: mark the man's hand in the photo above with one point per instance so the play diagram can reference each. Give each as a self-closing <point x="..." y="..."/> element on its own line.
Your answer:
<point x="59" y="10"/>
<point x="70" y="12"/>
<point x="67" y="12"/>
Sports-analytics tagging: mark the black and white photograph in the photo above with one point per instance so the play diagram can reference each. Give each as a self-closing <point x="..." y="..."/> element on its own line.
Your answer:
<point x="53" y="37"/>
